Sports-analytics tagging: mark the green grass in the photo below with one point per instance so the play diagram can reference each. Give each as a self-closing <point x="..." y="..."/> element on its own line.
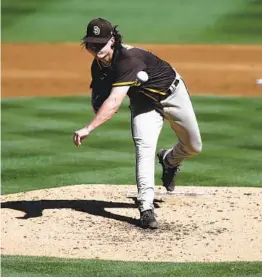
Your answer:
<point x="242" y="26"/>
<point x="43" y="266"/>
<point x="37" y="148"/>
<point x="174" y="21"/>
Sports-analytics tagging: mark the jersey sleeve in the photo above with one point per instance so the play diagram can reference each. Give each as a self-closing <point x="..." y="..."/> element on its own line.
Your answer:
<point x="127" y="70"/>
<point x="93" y="73"/>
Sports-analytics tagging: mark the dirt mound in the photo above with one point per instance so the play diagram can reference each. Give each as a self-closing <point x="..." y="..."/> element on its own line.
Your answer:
<point x="64" y="69"/>
<point x="101" y="221"/>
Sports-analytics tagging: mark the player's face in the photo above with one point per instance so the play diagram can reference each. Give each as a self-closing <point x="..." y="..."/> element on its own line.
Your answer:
<point x="103" y="52"/>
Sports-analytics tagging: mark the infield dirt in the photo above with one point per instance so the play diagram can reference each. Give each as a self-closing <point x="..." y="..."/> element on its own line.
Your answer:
<point x="64" y="69"/>
<point x="100" y="221"/>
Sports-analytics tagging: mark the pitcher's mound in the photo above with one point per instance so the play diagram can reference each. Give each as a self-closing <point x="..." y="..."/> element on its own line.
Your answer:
<point x="101" y="222"/>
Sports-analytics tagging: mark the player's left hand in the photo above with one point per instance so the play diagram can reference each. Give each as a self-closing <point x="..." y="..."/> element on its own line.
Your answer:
<point x="80" y="135"/>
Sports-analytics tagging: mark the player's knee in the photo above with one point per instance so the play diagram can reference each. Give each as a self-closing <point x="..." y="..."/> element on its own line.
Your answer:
<point x="196" y="147"/>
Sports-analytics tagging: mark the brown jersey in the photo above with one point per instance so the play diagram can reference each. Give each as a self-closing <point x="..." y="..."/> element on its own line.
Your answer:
<point x="128" y="61"/>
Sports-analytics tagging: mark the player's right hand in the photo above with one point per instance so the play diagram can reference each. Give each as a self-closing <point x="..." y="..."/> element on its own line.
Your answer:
<point x="79" y="135"/>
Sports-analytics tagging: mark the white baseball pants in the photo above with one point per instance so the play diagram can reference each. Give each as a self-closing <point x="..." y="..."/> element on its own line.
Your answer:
<point x="147" y="123"/>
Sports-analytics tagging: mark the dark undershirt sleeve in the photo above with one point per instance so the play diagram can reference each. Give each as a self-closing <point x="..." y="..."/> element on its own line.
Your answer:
<point x="101" y="86"/>
<point x="94" y="73"/>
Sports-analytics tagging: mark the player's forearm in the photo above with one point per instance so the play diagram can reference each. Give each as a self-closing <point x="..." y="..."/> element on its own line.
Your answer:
<point x="105" y="113"/>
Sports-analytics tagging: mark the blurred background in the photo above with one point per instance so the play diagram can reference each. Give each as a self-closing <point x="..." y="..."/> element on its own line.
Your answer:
<point x="146" y="21"/>
<point x="214" y="45"/>
<point x="55" y="63"/>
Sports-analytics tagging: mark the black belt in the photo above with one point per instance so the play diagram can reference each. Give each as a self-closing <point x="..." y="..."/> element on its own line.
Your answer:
<point x="173" y="87"/>
<point x="169" y="91"/>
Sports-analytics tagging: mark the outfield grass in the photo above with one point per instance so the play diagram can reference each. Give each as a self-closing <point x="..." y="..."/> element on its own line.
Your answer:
<point x="38" y="152"/>
<point x="148" y="21"/>
<point x="243" y="25"/>
<point x="44" y="266"/>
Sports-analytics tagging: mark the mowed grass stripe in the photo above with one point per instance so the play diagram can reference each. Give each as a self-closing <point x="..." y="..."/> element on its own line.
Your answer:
<point x="206" y="21"/>
<point x="31" y="179"/>
<point x="43" y="152"/>
<point x="241" y="26"/>
<point x="44" y="266"/>
<point x="231" y="141"/>
<point x="38" y="152"/>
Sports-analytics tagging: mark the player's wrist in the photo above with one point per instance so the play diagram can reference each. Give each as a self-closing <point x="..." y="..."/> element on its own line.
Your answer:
<point x="89" y="129"/>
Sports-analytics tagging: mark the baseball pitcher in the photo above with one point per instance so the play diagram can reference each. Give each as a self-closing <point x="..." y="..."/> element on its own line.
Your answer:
<point x="156" y="94"/>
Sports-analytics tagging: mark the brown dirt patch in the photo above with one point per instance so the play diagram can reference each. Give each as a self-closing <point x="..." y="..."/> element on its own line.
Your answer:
<point x="99" y="221"/>
<point x="64" y="69"/>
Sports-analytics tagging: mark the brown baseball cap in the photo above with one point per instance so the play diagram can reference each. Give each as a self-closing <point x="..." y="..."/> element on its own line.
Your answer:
<point x="98" y="30"/>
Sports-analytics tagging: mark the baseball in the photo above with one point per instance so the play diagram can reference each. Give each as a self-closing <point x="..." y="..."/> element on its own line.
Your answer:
<point x="259" y="82"/>
<point x="142" y="76"/>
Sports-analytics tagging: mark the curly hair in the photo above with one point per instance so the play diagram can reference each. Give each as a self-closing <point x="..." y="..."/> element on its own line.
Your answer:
<point x="118" y="37"/>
